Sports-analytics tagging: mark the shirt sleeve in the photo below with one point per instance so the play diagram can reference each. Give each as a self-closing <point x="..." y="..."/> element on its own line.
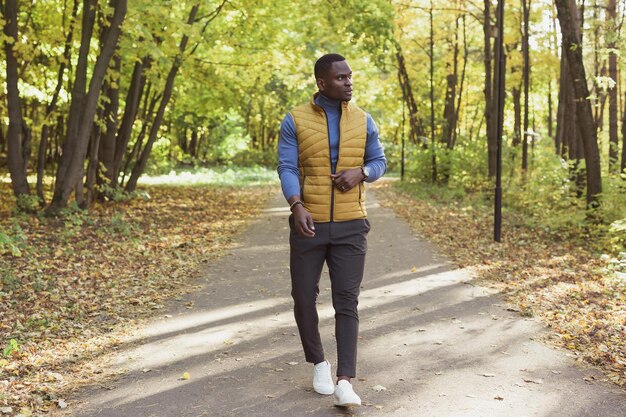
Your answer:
<point x="288" y="158"/>
<point x="374" y="158"/>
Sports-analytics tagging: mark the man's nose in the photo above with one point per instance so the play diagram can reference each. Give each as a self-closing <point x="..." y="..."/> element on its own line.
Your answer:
<point x="348" y="81"/>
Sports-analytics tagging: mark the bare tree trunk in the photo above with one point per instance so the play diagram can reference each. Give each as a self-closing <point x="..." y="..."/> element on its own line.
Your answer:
<point x="415" y="122"/>
<point x="71" y="168"/>
<point x="489" y="100"/>
<point x="623" y="164"/>
<point x="449" y="109"/>
<point x="517" y="112"/>
<point x="613" y="117"/>
<point x="131" y="109"/>
<point x="462" y="83"/>
<point x="433" y="144"/>
<point x="573" y="48"/>
<point x="526" y="72"/>
<point x="15" y="139"/>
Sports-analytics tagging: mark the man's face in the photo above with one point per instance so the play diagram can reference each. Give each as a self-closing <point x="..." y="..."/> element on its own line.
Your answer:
<point x="337" y="83"/>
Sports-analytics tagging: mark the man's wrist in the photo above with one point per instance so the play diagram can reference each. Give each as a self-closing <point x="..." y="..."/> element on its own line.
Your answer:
<point x="295" y="204"/>
<point x="366" y="172"/>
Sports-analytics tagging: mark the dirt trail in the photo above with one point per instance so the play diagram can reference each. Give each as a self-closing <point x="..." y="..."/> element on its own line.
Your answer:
<point x="432" y="343"/>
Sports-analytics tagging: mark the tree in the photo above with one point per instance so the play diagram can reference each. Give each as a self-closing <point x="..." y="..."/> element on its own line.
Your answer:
<point x="15" y="134"/>
<point x="612" y="34"/>
<point x="84" y="105"/>
<point x="573" y="53"/>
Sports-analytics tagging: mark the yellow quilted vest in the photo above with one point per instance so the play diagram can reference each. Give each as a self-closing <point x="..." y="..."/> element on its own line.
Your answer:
<point x="320" y="197"/>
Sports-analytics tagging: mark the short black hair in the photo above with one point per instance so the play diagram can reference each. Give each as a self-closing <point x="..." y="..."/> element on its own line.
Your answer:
<point x="324" y="63"/>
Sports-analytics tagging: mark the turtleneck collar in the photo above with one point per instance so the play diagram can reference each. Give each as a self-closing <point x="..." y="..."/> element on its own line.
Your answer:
<point x="327" y="103"/>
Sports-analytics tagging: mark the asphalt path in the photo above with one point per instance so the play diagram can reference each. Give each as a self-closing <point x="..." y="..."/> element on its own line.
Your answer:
<point x="432" y="343"/>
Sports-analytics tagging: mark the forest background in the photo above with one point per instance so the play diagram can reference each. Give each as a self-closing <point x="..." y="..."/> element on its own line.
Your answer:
<point x="105" y="100"/>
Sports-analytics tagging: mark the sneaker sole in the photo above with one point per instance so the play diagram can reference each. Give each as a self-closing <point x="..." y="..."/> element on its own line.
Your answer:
<point x="348" y="405"/>
<point x="322" y="392"/>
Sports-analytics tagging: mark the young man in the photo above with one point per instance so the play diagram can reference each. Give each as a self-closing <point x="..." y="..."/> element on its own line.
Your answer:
<point x="327" y="149"/>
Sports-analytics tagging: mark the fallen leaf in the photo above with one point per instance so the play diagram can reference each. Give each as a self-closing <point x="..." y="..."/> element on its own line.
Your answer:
<point x="488" y="375"/>
<point x="379" y="388"/>
<point x="499" y="398"/>
<point x="534" y="381"/>
<point x="185" y="376"/>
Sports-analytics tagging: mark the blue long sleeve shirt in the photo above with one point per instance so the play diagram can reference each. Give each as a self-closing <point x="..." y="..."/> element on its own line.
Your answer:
<point x="288" y="172"/>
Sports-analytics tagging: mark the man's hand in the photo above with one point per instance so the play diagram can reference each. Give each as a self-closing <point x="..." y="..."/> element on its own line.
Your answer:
<point x="303" y="221"/>
<point x="348" y="179"/>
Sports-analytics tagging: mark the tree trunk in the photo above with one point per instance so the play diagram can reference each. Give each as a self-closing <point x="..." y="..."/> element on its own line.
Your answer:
<point x="133" y="98"/>
<point x="433" y="147"/>
<point x="193" y="143"/>
<point x="416" y="129"/>
<point x="449" y="109"/>
<point x="573" y="47"/>
<point x="457" y="109"/>
<point x="526" y="78"/>
<point x="106" y="151"/>
<point x="167" y="93"/>
<point x="613" y="117"/>
<point x="45" y="130"/>
<point x="623" y="164"/>
<point x="517" y="112"/>
<point x="15" y="139"/>
<point x="83" y="108"/>
<point x="489" y="103"/>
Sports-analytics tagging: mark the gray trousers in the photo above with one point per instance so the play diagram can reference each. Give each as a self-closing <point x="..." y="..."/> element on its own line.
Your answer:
<point x="342" y="246"/>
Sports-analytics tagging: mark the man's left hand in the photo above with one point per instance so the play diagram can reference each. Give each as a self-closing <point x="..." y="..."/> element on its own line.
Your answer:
<point x="348" y="179"/>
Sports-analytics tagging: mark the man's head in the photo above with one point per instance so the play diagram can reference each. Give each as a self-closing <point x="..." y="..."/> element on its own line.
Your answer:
<point x="334" y="77"/>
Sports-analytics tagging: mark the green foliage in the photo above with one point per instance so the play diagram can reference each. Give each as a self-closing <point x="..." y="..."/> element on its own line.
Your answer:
<point x="119" y="225"/>
<point x="12" y="347"/>
<point x="12" y="241"/>
<point x="27" y="203"/>
<point x="119" y="194"/>
<point x="616" y="237"/>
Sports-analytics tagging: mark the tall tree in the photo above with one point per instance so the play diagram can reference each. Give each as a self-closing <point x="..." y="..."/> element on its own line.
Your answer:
<point x="612" y="35"/>
<point x="416" y="130"/>
<point x="571" y="39"/>
<point x="45" y="129"/>
<point x="526" y="78"/>
<point x="15" y="137"/>
<point x="83" y="108"/>
<point x="489" y="99"/>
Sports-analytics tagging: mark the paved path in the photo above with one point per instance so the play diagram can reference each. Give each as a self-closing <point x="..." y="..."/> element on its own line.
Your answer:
<point x="439" y="345"/>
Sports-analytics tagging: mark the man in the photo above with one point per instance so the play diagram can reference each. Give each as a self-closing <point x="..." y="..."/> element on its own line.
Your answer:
<point x="327" y="149"/>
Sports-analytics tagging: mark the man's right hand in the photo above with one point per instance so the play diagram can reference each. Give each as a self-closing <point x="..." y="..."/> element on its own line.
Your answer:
<point x="303" y="221"/>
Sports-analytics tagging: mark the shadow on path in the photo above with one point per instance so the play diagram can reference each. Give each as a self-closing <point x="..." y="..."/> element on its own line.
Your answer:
<point x="438" y="344"/>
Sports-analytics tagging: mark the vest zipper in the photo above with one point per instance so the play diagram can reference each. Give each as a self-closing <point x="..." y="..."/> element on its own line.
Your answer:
<point x="332" y="185"/>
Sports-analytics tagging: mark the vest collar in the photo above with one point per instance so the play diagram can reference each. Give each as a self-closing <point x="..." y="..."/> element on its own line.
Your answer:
<point x="320" y="101"/>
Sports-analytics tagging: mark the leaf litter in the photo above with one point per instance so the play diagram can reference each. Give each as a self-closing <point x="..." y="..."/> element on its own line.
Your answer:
<point x="560" y="280"/>
<point x="80" y="282"/>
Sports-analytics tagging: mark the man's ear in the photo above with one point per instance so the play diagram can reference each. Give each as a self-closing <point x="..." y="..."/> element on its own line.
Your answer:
<point x="320" y="84"/>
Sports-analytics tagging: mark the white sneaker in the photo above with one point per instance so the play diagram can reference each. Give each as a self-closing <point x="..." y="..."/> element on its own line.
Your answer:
<point x="322" y="379"/>
<point x="345" y="395"/>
